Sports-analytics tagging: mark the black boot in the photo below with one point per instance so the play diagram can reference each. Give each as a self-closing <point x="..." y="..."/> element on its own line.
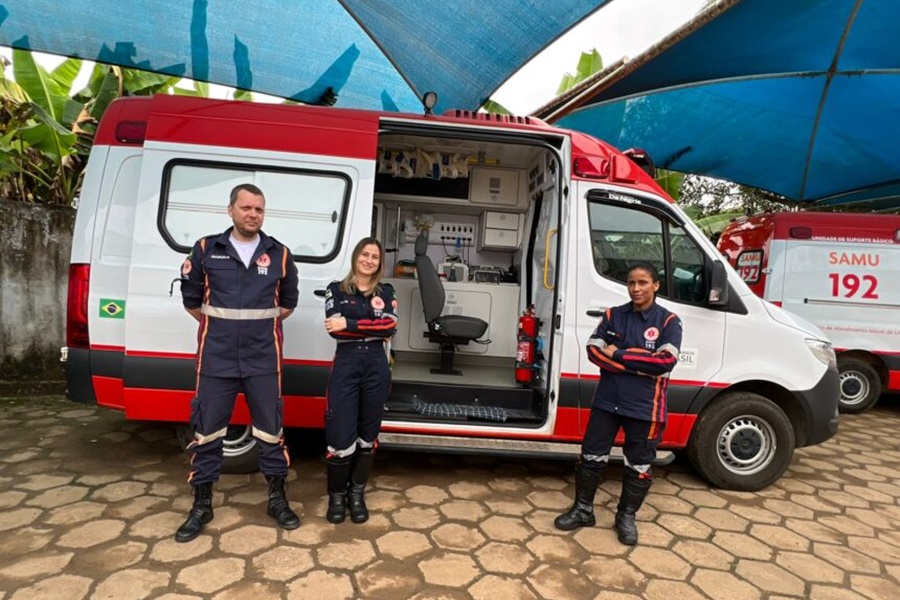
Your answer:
<point x="362" y="464"/>
<point x="582" y="512"/>
<point x="338" y="469"/>
<point x="634" y="490"/>
<point x="201" y="514"/>
<point x="278" y="505"/>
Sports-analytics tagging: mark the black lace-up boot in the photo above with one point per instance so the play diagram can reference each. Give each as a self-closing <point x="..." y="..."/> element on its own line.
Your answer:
<point x="634" y="490"/>
<point x="338" y="470"/>
<point x="582" y="512"/>
<point x="201" y="514"/>
<point x="279" y="509"/>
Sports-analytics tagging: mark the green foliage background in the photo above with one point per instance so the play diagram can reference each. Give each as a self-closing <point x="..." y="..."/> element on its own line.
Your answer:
<point x="47" y="128"/>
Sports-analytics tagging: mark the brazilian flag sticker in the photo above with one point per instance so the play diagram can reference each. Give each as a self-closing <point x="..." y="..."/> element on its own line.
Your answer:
<point x="112" y="309"/>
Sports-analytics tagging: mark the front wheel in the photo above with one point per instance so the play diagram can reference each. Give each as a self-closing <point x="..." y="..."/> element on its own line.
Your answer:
<point x="742" y="441"/>
<point x="860" y="385"/>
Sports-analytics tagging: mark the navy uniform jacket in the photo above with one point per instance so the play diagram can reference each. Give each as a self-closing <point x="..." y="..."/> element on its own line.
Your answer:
<point x="368" y="317"/>
<point x="633" y="382"/>
<point x="240" y="329"/>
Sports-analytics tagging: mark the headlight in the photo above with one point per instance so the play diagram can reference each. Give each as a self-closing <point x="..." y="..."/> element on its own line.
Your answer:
<point x="823" y="351"/>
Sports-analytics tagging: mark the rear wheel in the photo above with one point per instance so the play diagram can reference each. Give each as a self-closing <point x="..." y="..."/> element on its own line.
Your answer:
<point x="742" y="441"/>
<point x="241" y="450"/>
<point x="860" y="385"/>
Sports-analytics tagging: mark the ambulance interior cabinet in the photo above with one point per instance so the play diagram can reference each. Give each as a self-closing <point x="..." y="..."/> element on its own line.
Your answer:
<point x="500" y="231"/>
<point x="494" y="187"/>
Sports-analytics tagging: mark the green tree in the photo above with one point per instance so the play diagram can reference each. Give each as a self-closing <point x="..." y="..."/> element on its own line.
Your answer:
<point x="47" y="129"/>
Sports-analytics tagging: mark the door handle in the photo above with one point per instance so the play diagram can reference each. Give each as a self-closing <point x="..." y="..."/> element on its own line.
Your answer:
<point x="550" y="234"/>
<point x="320" y="293"/>
<point x="596" y="312"/>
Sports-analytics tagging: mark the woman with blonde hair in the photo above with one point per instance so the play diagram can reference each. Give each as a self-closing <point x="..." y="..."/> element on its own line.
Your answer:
<point x="361" y="314"/>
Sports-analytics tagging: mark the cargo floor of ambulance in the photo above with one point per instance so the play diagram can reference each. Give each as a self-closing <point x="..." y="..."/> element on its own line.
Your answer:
<point x="486" y="392"/>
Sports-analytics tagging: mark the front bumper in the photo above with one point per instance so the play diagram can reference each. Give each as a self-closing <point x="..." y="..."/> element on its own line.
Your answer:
<point x="820" y="405"/>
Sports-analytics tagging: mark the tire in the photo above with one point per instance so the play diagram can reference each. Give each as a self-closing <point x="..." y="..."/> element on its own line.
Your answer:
<point x="860" y="385"/>
<point x="742" y="441"/>
<point x="240" y="453"/>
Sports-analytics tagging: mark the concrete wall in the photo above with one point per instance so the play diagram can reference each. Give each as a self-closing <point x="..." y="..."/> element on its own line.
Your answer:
<point x="35" y="243"/>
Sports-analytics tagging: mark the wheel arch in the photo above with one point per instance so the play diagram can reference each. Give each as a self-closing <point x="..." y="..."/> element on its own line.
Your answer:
<point x="875" y="361"/>
<point x="779" y="395"/>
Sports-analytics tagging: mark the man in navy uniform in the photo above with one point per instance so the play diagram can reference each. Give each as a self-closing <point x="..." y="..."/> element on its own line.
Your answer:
<point x="239" y="285"/>
<point x="635" y="345"/>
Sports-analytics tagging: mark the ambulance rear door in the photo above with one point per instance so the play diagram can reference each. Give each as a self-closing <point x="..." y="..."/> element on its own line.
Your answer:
<point x="850" y="289"/>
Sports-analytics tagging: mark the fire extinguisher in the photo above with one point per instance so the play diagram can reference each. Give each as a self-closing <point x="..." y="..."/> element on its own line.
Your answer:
<point x="526" y="348"/>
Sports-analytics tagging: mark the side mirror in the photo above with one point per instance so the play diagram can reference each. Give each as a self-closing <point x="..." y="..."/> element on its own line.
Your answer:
<point x="718" y="285"/>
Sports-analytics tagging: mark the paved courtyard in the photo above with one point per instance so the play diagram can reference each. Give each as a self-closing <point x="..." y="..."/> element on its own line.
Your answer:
<point x="89" y="503"/>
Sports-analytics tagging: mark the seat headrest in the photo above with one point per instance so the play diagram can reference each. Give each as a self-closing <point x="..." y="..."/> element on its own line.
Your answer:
<point x="422" y="244"/>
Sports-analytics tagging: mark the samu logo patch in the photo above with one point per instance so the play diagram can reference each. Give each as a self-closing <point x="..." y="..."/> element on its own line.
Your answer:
<point x="651" y="334"/>
<point x="262" y="264"/>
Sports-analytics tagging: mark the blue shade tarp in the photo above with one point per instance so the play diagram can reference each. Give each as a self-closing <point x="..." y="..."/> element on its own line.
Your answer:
<point x="372" y="54"/>
<point x="798" y="97"/>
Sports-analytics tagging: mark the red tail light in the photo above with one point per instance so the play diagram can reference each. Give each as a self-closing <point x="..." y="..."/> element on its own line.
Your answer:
<point x="131" y="132"/>
<point x="801" y="233"/>
<point x="76" y="307"/>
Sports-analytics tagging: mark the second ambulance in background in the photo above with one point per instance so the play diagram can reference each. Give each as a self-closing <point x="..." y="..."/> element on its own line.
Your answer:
<point x="842" y="272"/>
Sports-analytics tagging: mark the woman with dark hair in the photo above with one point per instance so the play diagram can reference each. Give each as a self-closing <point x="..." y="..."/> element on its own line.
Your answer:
<point x="635" y="345"/>
<point x="361" y="314"/>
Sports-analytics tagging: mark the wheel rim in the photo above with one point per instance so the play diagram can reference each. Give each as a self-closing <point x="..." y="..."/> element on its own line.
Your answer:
<point x="238" y="440"/>
<point x="746" y="445"/>
<point x="854" y="388"/>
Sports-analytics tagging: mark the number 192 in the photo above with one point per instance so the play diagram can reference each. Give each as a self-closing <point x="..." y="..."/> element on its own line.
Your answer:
<point x="849" y="285"/>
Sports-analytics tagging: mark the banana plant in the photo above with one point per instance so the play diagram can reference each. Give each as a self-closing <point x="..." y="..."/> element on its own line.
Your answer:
<point x="46" y="130"/>
<point x="588" y="64"/>
<point x="36" y="145"/>
<point x="670" y="181"/>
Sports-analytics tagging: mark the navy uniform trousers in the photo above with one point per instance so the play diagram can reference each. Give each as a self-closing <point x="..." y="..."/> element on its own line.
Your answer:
<point x="358" y="387"/>
<point x="641" y="440"/>
<point x="211" y="412"/>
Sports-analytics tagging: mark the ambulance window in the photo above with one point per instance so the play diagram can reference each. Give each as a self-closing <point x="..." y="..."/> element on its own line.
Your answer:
<point x="304" y="209"/>
<point x="688" y="268"/>
<point x="622" y="236"/>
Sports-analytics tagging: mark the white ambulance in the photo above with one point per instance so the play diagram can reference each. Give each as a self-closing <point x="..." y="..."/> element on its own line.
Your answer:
<point x="842" y="272"/>
<point x="517" y="214"/>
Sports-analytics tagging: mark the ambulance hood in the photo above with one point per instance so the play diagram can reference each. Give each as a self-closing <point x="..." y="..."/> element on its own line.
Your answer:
<point x="794" y="321"/>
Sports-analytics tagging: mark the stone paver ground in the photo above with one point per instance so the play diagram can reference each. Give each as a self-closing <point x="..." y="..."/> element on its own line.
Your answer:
<point x="89" y="503"/>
